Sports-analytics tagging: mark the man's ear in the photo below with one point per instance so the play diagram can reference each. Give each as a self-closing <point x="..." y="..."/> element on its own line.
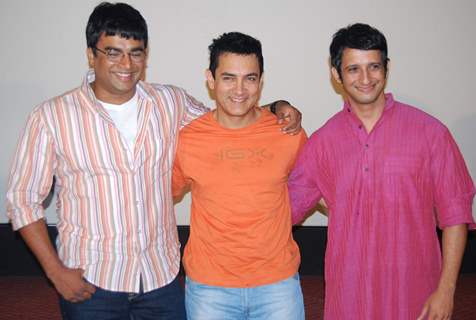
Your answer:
<point x="90" y="55"/>
<point x="210" y="79"/>
<point x="389" y="64"/>
<point x="146" y="51"/>
<point x="335" y="75"/>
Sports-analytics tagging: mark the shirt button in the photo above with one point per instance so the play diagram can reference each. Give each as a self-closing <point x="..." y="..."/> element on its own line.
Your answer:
<point x="366" y="145"/>
<point x="360" y="127"/>
<point x="366" y="169"/>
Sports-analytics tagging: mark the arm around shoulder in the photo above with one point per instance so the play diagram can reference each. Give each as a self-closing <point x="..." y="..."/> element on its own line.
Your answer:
<point x="287" y="115"/>
<point x="193" y="109"/>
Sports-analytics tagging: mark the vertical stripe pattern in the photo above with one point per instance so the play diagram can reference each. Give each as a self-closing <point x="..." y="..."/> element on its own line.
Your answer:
<point x="115" y="210"/>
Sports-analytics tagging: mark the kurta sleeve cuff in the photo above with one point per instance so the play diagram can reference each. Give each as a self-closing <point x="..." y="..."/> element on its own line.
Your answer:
<point x="459" y="212"/>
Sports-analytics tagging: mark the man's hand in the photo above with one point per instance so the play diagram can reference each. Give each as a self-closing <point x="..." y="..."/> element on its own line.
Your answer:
<point x="71" y="285"/>
<point x="68" y="282"/>
<point x="439" y="306"/>
<point x="286" y="113"/>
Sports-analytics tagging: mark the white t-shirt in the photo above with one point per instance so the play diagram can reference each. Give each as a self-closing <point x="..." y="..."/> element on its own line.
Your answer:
<point x="125" y="118"/>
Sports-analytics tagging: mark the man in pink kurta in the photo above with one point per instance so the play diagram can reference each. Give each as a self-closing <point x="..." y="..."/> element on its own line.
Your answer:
<point x="389" y="174"/>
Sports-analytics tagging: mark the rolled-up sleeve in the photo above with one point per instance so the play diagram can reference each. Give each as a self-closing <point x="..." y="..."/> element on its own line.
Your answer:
<point x="452" y="184"/>
<point x="31" y="175"/>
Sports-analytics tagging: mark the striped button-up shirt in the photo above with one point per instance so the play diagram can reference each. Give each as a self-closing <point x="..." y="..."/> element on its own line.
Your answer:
<point x="115" y="210"/>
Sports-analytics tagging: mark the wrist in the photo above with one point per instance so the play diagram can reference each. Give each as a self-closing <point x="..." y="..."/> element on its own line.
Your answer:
<point x="447" y="287"/>
<point x="53" y="270"/>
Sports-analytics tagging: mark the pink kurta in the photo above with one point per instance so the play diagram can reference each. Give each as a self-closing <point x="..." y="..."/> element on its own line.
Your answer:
<point x="386" y="190"/>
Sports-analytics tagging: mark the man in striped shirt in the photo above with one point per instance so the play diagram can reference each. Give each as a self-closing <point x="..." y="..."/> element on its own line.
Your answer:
<point x="109" y="144"/>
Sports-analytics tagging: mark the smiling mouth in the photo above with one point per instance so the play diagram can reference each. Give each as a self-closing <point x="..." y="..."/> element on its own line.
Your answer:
<point x="124" y="76"/>
<point x="366" y="89"/>
<point x="238" y="100"/>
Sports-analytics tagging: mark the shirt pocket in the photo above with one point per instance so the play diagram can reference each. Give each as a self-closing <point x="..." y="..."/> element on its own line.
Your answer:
<point x="157" y="154"/>
<point x="164" y="154"/>
<point x="402" y="165"/>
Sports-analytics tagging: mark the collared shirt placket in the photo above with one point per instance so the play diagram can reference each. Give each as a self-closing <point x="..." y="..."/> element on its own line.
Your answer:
<point x="140" y="232"/>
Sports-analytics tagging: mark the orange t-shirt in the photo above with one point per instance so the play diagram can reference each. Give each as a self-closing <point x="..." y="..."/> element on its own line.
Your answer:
<point x="240" y="227"/>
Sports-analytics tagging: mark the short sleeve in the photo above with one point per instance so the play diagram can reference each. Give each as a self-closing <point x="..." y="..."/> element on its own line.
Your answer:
<point x="303" y="187"/>
<point x="453" y="187"/>
<point x="179" y="182"/>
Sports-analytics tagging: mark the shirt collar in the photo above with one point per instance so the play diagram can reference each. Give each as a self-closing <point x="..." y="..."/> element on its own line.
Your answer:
<point x="389" y="105"/>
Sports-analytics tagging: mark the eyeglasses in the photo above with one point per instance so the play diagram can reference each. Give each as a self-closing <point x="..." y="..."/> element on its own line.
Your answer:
<point x="116" y="56"/>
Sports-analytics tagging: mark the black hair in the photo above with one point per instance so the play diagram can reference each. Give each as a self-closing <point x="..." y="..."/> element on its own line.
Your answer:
<point x="234" y="42"/>
<point x="115" y="19"/>
<point x="357" y="36"/>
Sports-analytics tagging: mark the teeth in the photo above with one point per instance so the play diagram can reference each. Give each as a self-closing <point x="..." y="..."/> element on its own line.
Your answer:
<point x="365" y="88"/>
<point x="124" y="76"/>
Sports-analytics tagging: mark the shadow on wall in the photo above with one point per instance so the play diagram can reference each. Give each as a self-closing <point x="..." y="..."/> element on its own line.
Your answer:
<point x="47" y="202"/>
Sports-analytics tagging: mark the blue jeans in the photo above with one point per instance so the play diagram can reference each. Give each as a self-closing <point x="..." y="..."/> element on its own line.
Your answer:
<point x="166" y="303"/>
<point x="277" y="301"/>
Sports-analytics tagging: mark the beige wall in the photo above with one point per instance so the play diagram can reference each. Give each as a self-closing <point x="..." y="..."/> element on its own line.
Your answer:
<point x="431" y="45"/>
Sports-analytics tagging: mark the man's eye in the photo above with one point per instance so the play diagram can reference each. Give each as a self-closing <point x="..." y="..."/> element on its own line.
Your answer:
<point x="375" y="67"/>
<point x="114" y="53"/>
<point x="252" y="78"/>
<point x="137" y="54"/>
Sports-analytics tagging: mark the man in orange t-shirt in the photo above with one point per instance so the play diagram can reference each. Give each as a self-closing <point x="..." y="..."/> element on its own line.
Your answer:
<point x="241" y="260"/>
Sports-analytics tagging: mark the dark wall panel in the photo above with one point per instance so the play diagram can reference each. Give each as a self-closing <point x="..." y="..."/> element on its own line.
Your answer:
<point x="16" y="259"/>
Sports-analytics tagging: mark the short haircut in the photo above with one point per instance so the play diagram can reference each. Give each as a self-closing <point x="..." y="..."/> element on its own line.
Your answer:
<point x="234" y="42"/>
<point x="357" y="36"/>
<point x="115" y="19"/>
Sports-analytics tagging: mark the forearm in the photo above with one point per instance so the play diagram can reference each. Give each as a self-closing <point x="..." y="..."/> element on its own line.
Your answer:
<point x="68" y="282"/>
<point x="453" y="242"/>
<point x="37" y="239"/>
